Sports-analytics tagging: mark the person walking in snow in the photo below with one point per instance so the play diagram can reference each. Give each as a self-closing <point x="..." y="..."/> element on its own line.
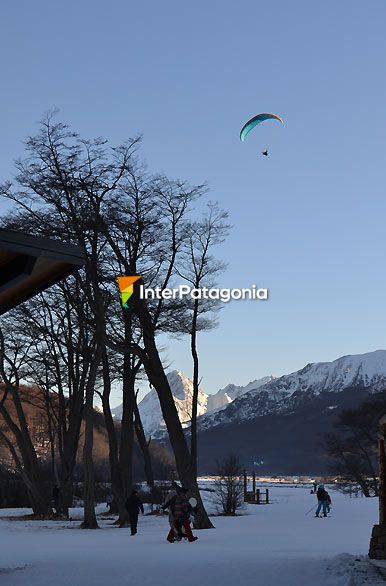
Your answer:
<point x="133" y="506"/>
<point x="181" y="510"/>
<point x="321" y="495"/>
<point x="168" y="505"/>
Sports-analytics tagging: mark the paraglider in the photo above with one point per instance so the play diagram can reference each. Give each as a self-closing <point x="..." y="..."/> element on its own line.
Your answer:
<point x="255" y="121"/>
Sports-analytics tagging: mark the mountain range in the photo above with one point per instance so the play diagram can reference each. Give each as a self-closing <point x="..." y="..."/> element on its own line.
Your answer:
<point x="285" y="394"/>
<point x="182" y="390"/>
<point x="275" y="424"/>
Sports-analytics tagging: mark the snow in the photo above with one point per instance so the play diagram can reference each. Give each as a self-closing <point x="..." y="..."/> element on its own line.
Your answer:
<point x="369" y="368"/>
<point x="223" y="397"/>
<point x="150" y="410"/>
<point x="268" y="545"/>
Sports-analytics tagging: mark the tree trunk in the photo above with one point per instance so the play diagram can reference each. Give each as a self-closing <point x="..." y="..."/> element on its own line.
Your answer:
<point x="39" y="497"/>
<point x="65" y="496"/>
<point x="126" y="447"/>
<point x="115" y="469"/>
<point x="159" y="381"/>
<point x="39" y="503"/>
<point x="89" y="519"/>
<point x="69" y="442"/>
<point x="144" y="445"/>
<point x="193" y="425"/>
<point x="382" y="480"/>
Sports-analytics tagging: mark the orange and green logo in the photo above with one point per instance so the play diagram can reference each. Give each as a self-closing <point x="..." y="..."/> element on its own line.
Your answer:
<point x="126" y="287"/>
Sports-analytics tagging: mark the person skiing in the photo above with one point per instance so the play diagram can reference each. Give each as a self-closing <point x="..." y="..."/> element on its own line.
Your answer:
<point x="133" y="506"/>
<point x="181" y="510"/>
<point x="321" y="495"/>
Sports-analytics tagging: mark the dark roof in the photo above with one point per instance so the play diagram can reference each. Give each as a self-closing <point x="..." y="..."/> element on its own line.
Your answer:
<point x="30" y="264"/>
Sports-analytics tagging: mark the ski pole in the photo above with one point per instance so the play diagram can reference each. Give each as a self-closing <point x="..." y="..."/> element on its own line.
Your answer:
<point x="312" y="508"/>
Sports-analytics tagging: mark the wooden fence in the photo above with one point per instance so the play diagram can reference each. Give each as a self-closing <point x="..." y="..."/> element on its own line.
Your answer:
<point x="256" y="496"/>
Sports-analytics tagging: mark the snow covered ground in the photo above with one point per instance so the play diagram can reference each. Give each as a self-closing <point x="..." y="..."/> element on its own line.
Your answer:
<point x="274" y="545"/>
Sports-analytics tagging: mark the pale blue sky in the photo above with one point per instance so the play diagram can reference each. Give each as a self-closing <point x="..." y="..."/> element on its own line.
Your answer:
<point x="308" y="221"/>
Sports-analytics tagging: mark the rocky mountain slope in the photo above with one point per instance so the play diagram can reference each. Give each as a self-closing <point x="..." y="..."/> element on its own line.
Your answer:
<point x="276" y="425"/>
<point x="286" y="394"/>
<point x="182" y="389"/>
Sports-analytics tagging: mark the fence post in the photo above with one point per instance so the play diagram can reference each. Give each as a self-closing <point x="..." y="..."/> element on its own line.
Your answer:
<point x="378" y="534"/>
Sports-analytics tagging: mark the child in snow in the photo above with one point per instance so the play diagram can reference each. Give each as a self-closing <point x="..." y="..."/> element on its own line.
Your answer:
<point x="321" y="495"/>
<point x="328" y="502"/>
<point x="168" y="504"/>
<point x="192" y="515"/>
<point x="181" y="510"/>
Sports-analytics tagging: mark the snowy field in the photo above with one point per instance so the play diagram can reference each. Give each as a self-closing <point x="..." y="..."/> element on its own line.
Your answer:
<point x="274" y="545"/>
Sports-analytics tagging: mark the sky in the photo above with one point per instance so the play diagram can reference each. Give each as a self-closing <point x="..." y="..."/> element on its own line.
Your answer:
<point x="308" y="222"/>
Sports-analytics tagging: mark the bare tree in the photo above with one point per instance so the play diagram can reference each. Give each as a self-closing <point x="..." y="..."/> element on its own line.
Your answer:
<point x="18" y="438"/>
<point x="58" y="362"/>
<point x="146" y="227"/>
<point x="126" y="222"/>
<point x="62" y="188"/>
<point x="144" y="444"/>
<point x="353" y="446"/>
<point x="229" y="485"/>
<point x="200" y="269"/>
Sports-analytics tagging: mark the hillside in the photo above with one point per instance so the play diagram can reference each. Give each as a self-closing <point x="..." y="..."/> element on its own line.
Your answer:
<point x="277" y="427"/>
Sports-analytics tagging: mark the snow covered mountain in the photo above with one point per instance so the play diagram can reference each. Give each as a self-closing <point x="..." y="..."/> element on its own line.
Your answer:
<point x="280" y="428"/>
<point x="231" y="392"/>
<point x="182" y="390"/>
<point x="267" y="396"/>
<point x="285" y="394"/>
<point x="150" y="410"/>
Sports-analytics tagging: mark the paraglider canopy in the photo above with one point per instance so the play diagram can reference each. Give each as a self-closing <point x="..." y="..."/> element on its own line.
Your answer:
<point x="255" y="121"/>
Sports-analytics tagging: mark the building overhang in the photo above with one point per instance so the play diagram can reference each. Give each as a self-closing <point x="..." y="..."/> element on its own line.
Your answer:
<point x="31" y="264"/>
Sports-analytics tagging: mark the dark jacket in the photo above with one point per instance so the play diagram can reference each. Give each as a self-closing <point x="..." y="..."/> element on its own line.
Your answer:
<point x="321" y="494"/>
<point x="181" y="508"/>
<point x="134" y="505"/>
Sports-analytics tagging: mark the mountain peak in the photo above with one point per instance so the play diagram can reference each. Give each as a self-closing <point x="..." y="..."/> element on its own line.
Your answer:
<point x="282" y="394"/>
<point x="265" y="395"/>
